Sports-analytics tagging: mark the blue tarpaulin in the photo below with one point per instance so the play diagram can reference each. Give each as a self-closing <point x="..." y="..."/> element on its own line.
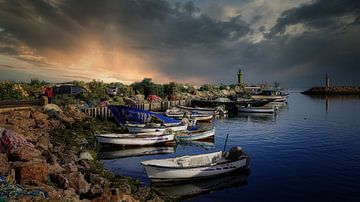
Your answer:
<point x="126" y="114"/>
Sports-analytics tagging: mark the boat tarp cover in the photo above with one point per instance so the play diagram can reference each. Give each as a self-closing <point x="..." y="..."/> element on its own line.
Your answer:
<point x="124" y="114"/>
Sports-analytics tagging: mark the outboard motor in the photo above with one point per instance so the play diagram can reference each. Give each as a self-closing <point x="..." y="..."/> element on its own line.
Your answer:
<point x="234" y="153"/>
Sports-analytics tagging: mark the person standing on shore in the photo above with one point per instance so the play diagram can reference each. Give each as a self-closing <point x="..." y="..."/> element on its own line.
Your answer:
<point x="49" y="93"/>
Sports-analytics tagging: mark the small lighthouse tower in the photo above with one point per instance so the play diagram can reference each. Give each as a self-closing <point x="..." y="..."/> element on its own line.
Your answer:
<point x="327" y="81"/>
<point x="240" y="77"/>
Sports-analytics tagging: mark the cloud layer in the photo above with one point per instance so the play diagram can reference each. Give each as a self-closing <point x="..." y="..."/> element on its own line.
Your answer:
<point x="185" y="41"/>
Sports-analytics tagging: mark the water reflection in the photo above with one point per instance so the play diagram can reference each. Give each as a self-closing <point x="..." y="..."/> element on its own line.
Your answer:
<point x="206" y="144"/>
<point x="136" y="151"/>
<point x="190" y="189"/>
<point x="258" y="117"/>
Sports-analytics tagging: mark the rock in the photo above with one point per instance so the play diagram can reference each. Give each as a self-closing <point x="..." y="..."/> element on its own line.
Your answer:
<point x="26" y="153"/>
<point x="22" y="113"/>
<point x="77" y="181"/>
<point x="11" y="177"/>
<point x="86" y="156"/>
<point x="75" y="113"/>
<point x="123" y="186"/>
<point x="56" y="168"/>
<point x="40" y="118"/>
<point x="29" y="171"/>
<point x="128" y="198"/>
<point x="43" y="143"/>
<point x="95" y="179"/>
<point x="70" y="167"/>
<point x="69" y="195"/>
<point x="23" y="123"/>
<point x="109" y="195"/>
<point x="96" y="189"/>
<point x="52" y="109"/>
<point x="59" y="179"/>
<point x="10" y="140"/>
<point x="83" y="165"/>
<point x="83" y="142"/>
<point x="4" y="165"/>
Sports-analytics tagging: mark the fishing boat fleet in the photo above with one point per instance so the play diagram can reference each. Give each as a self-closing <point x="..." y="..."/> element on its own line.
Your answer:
<point x="273" y="99"/>
<point x="179" y="125"/>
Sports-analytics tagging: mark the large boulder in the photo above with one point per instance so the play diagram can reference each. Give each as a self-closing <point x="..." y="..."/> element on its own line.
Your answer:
<point x="85" y="155"/>
<point x="60" y="180"/>
<point x="75" y="113"/>
<point x="11" y="140"/>
<point x="78" y="182"/>
<point x="41" y="119"/>
<point x="52" y="109"/>
<point x="31" y="171"/>
<point x="110" y="195"/>
<point x="96" y="179"/>
<point x="25" y="153"/>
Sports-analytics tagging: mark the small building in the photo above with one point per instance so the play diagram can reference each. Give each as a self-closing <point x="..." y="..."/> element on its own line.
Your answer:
<point x="67" y="89"/>
<point x="112" y="91"/>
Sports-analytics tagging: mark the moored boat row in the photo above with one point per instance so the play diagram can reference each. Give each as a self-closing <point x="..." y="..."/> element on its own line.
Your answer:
<point x="147" y="129"/>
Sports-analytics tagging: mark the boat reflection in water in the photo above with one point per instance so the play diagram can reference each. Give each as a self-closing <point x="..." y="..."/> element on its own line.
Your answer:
<point x="135" y="151"/>
<point x="193" y="188"/>
<point x="258" y="117"/>
<point x="277" y="105"/>
<point x="206" y="144"/>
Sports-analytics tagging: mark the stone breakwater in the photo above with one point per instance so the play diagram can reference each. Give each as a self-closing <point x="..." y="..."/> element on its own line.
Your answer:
<point x="51" y="151"/>
<point x="335" y="90"/>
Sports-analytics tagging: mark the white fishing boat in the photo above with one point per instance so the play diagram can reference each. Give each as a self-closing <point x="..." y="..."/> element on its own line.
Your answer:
<point x="195" y="135"/>
<point x="137" y="151"/>
<point x="135" y="139"/>
<point x="199" y="117"/>
<point x="256" y="109"/>
<point x="196" y="166"/>
<point x="146" y="129"/>
<point x="275" y="95"/>
<point x="199" y="109"/>
<point x="203" y="118"/>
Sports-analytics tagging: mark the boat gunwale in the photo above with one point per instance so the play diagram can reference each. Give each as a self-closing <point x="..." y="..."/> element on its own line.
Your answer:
<point x="201" y="166"/>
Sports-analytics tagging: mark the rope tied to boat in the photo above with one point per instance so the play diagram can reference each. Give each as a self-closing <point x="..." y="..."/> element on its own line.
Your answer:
<point x="12" y="191"/>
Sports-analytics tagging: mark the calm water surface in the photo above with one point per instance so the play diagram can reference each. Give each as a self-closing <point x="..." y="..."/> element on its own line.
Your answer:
<point x="309" y="151"/>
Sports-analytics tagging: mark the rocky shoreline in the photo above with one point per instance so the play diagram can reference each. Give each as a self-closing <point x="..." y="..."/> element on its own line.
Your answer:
<point x="50" y="153"/>
<point x="334" y="90"/>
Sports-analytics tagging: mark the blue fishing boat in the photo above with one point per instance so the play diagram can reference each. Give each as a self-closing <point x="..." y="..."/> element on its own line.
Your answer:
<point x="126" y="114"/>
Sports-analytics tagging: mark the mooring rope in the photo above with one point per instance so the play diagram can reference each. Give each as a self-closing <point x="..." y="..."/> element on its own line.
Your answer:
<point x="13" y="191"/>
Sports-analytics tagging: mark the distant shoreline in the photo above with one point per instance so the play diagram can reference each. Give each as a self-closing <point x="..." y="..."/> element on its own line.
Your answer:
<point x="333" y="90"/>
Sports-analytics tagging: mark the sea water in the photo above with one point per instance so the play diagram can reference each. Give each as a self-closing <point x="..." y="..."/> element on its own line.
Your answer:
<point x="308" y="151"/>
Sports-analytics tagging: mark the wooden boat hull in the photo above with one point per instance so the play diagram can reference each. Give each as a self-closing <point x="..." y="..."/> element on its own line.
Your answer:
<point x="167" y="173"/>
<point x="205" y="118"/>
<point x="196" y="135"/>
<point x="199" y="110"/>
<point x="277" y="98"/>
<point x="134" y="129"/>
<point x="136" y="140"/>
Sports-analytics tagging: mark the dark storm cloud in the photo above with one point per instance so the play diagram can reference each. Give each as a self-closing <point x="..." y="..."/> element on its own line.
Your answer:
<point x="318" y="14"/>
<point x="149" y="22"/>
<point x="35" y="23"/>
<point x="184" y="42"/>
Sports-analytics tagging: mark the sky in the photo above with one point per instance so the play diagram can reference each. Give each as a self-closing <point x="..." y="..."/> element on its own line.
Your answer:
<point x="291" y="42"/>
